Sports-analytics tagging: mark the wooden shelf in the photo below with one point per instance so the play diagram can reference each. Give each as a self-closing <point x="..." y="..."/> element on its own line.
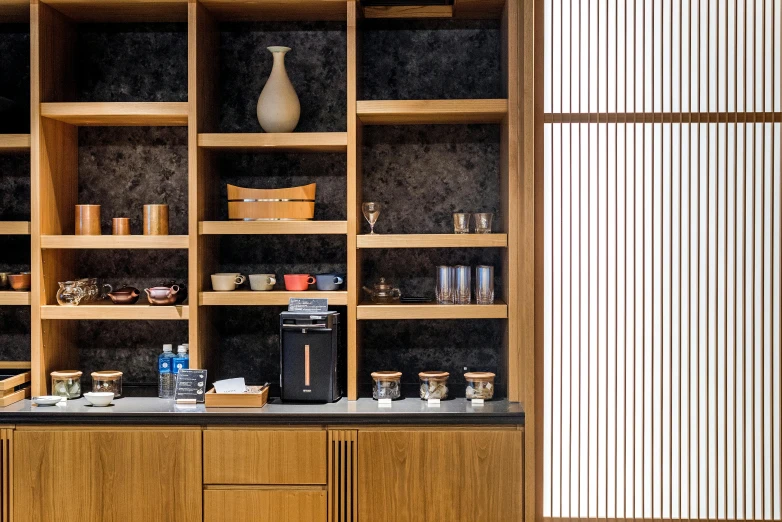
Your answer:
<point x="274" y="298"/>
<point x="433" y="241"/>
<point x="106" y="310"/>
<point x="423" y="112"/>
<point x="114" y="242"/>
<point x="14" y="298"/>
<point x="117" y="114"/>
<point x="277" y="10"/>
<point x="122" y="10"/>
<point x="408" y="11"/>
<point x="14" y="11"/>
<point x="15" y="365"/>
<point x="273" y="227"/>
<point x="370" y="311"/>
<point x="15" y="228"/>
<point x="14" y="143"/>
<point x="282" y="142"/>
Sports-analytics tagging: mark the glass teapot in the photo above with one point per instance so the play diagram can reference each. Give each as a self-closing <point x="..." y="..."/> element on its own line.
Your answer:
<point x="71" y="293"/>
<point x="383" y="292"/>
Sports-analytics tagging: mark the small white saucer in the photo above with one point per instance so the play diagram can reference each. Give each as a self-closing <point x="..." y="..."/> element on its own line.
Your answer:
<point x="47" y="400"/>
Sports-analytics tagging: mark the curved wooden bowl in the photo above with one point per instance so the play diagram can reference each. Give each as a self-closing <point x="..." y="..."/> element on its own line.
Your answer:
<point x="294" y="203"/>
<point x="303" y="193"/>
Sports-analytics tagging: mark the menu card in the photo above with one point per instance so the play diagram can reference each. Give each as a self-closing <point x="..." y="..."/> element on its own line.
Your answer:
<point x="312" y="306"/>
<point x="190" y="386"/>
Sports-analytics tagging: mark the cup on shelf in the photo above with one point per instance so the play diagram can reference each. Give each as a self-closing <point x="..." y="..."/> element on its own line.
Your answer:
<point x="87" y="220"/>
<point x="20" y="282"/>
<point x="155" y="220"/>
<point x="462" y="284"/>
<point x="483" y="222"/>
<point x="328" y="282"/>
<point x="461" y="223"/>
<point x="484" y="285"/>
<point x="227" y="282"/>
<point x="120" y="226"/>
<point x="262" y="282"/>
<point x="298" y="282"/>
<point x="4" y="280"/>
<point x="445" y="285"/>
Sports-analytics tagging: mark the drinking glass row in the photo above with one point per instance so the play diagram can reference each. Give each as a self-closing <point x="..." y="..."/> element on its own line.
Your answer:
<point x="454" y="284"/>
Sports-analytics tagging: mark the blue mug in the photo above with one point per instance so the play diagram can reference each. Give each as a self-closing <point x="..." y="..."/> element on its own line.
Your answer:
<point x="328" y="282"/>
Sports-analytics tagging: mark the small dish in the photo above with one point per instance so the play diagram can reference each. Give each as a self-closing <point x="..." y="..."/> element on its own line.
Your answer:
<point x="47" y="400"/>
<point x="99" y="398"/>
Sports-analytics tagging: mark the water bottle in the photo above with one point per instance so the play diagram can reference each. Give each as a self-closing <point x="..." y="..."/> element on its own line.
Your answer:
<point x="165" y="367"/>
<point x="181" y="361"/>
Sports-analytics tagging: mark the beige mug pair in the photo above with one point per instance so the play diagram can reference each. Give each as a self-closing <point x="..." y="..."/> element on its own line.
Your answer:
<point x="227" y="282"/>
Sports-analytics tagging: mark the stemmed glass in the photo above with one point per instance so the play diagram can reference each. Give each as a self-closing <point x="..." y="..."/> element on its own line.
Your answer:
<point x="371" y="213"/>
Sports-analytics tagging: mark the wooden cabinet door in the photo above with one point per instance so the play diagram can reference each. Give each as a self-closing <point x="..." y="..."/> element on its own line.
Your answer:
<point x="455" y="475"/>
<point x="291" y="504"/>
<point x="106" y="475"/>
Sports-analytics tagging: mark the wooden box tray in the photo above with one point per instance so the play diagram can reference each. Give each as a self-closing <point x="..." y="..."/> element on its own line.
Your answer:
<point x="14" y="383"/>
<point x="255" y="399"/>
<point x="294" y="203"/>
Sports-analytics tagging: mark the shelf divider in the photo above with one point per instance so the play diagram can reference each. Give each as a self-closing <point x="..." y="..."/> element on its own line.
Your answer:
<point x="281" y="142"/>
<point x="106" y="310"/>
<point x="115" y="242"/>
<point x="272" y="298"/>
<point x="118" y="113"/>
<point x="272" y="227"/>
<point x="14" y="298"/>
<point x="433" y="241"/>
<point x="424" y="112"/>
<point x="371" y="311"/>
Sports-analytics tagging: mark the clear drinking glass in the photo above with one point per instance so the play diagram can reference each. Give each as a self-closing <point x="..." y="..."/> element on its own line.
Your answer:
<point x="445" y="284"/>
<point x="461" y="223"/>
<point x="484" y="285"/>
<point x="371" y="211"/>
<point x="483" y="222"/>
<point x="463" y="284"/>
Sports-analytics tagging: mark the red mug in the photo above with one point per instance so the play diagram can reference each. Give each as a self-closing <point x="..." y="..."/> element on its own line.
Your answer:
<point x="298" y="282"/>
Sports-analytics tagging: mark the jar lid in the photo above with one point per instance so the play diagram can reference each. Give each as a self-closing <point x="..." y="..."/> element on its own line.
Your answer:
<point x="386" y="376"/>
<point x="479" y="376"/>
<point x="107" y="375"/>
<point x="434" y="376"/>
<point x="66" y="374"/>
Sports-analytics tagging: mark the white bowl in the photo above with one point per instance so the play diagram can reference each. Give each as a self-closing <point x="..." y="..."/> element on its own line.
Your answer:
<point x="47" y="400"/>
<point x="99" y="398"/>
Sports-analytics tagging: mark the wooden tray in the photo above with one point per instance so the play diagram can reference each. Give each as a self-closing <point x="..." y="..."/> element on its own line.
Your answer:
<point x="293" y="203"/>
<point x="237" y="400"/>
<point x="12" y="379"/>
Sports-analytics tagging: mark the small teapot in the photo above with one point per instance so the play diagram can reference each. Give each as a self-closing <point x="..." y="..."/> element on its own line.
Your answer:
<point x="70" y="293"/>
<point x="383" y="292"/>
<point x="124" y="295"/>
<point x="162" y="295"/>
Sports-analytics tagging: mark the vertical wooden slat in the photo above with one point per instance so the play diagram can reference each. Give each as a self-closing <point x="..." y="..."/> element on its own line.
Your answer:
<point x="353" y="199"/>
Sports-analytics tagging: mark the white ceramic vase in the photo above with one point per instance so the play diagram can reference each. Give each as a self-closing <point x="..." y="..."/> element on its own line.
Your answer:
<point x="278" y="106"/>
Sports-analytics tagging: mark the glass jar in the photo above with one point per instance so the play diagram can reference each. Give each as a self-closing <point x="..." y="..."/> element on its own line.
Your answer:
<point x="70" y="293"/>
<point x="66" y="383"/>
<point x="480" y="385"/>
<point x="387" y="385"/>
<point x="107" y="381"/>
<point x="434" y="385"/>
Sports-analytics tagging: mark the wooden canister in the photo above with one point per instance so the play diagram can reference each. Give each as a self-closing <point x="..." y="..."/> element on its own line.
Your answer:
<point x="120" y="226"/>
<point x="87" y="220"/>
<point x="155" y="220"/>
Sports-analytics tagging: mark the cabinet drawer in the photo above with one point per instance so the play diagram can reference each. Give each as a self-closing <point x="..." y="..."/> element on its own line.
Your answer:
<point x="265" y="505"/>
<point x="264" y="456"/>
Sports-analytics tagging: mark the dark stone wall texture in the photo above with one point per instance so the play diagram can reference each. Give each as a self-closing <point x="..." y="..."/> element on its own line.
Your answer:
<point x="15" y="80"/>
<point x="15" y="187"/>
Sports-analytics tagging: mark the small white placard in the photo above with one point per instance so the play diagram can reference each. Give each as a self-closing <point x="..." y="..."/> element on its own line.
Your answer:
<point x="384" y="403"/>
<point x="477" y="402"/>
<point x="433" y="403"/>
<point x="230" y="385"/>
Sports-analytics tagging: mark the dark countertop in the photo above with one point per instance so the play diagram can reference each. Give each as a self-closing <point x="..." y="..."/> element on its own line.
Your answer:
<point x="153" y="411"/>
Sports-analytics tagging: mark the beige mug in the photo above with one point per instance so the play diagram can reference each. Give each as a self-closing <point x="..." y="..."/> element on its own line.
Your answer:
<point x="155" y="220"/>
<point x="87" y="220"/>
<point x="226" y="282"/>
<point x="262" y="282"/>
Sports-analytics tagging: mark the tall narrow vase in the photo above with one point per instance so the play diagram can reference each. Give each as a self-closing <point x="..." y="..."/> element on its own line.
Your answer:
<point x="278" y="105"/>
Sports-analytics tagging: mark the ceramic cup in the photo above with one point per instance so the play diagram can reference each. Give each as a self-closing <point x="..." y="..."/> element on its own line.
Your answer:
<point x="20" y="281"/>
<point x="328" y="282"/>
<point x="4" y="279"/>
<point x="298" y="282"/>
<point x="120" y="226"/>
<point x="226" y="282"/>
<point x="262" y="282"/>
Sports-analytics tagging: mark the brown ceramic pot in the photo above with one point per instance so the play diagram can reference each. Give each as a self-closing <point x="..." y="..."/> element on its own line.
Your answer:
<point x="125" y="295"/>
<point x="162" y="295"/>
<point x="20" y="281"/>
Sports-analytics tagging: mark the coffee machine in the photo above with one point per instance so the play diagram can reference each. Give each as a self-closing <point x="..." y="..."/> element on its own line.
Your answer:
<point x="309" y="356"/>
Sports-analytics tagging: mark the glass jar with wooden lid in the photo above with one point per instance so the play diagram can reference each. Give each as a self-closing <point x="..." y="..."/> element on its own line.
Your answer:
<point x="107" y="381"/>
<point x="434" y="385"/>
<point x="480" y="385"/>
<point x="66" y="383"/>
<point x="387" y="385"/>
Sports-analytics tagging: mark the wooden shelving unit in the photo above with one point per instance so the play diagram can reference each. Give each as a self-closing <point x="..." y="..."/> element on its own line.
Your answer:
<point x="283" y="142"/>
<point x="273" y="298"/>
<point x="371" y="311"/>
<point x="106" y="310"/>
<point x="13" y="298"/>
<point x="15" y="228"/>
<point x="432" y="241"/>
<point x="423" y="112"/>
<point x="14" y="143"/>
<point x="117" y="114"/>
<point x="272" y="227"/>
<point x="115" y="242"/>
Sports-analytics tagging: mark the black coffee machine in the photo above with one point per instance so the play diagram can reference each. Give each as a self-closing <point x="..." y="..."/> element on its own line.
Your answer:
<point x="309" y="353"/>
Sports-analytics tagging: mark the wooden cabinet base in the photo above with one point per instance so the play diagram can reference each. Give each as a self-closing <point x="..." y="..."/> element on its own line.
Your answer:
<point x="265" y="505"/>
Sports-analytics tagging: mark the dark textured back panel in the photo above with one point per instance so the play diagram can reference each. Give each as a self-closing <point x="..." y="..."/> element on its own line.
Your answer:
<point x="316" y="65"/>
<point x="431" y="59"/>
<point x="15" y="79"/>
<point x="15" y="187"/>
<point x="14" y="333"/>
<point x="15" y="255"/>
<point x="131" y="62"/>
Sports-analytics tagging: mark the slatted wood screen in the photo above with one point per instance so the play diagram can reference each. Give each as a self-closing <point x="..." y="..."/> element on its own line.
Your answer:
<point x="342" y="469"/>
<point x="6" y="474"/>
<point x="663" y="231"/>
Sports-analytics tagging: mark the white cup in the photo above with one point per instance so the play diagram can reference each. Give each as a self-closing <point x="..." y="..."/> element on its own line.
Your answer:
<point x="262" y="282"/>
<point x="226" y="282"/>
